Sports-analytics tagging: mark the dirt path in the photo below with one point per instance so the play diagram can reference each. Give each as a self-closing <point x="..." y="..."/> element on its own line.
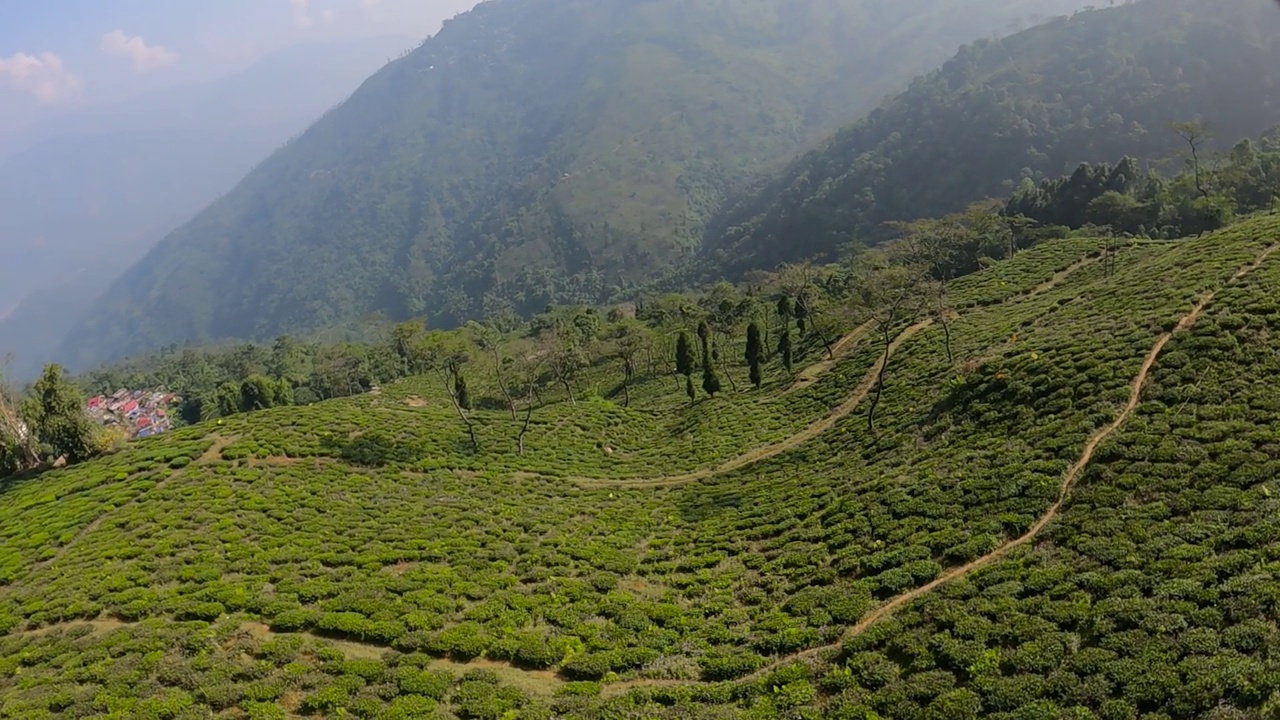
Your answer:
<point x="807" y="377"/>
<point x="766" y="452"/>
<point x="810" y="374"/>
<point x="1059" y="277"/>
<point x="542" y="682"/>
<point x="1064" y="491"/>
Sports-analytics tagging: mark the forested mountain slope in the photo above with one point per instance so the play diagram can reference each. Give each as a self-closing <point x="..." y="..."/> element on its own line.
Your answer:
<point x="1093" y="87"/>
<point x="535" y="149"/>
<point x="1066" y="507"/>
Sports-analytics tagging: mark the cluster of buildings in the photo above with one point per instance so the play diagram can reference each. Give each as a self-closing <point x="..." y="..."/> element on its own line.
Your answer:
<point x="138" y="413"/>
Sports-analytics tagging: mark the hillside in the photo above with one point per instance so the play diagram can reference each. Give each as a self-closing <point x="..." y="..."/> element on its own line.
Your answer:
<point x="92" y="191"/>
<point x="1073" y="517"/>
<point x="533" y="150"/>
<point x="1090" y="88"/>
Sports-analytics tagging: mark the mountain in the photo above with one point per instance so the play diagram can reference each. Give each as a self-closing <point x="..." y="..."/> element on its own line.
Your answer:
<point x="1075" y="516"/>
<point x="533" y="151"/>
<point x="1092" y="87"/>
<point x="93" y="191"/>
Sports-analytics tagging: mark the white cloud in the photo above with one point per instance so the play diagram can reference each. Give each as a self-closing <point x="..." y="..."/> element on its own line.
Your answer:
<point x="301" y="13"/>
<point x="43" y="76"/>
<point x="145" y="57"/>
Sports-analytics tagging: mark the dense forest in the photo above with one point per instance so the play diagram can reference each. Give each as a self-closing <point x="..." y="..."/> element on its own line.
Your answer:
<point x="533" y="150"/>
<point x="1092" y="87"/>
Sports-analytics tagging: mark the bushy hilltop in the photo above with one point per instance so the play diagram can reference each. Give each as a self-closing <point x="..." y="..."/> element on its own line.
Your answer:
<point x="1062" y="508"/>
<point x="533" y="150"/>
<point x="1088" y="88"/>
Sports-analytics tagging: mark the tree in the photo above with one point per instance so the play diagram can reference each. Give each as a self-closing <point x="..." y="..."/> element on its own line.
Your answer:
<point x="528" y="368"/>
<point x="289" y="361"/>
<point x="1195" y="134"/>
<point x="755" y="353"/>
<point x="934" y="247"/>
<point x="403" y="339"/>
<point x="784" y="348"/>
<point x="710" y="381"/>
<point x="55" y="415"/>
<point x="567" y="354"/>
<point x="684" y="362"/>
<point x="786" y="310"/>
<point x="491" y="337"/>
<point x="633" y="338"/>
<point x="18" y="451"/>
<point x="446" y="354"/>
<point x="890" y="294"/>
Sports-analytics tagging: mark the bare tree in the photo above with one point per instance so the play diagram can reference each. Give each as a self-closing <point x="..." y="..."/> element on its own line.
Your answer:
<point x="890" y="295"/>
<point x="1195" y="134"/>
<point x="491" y="338"/>
<point x="932" y="248"/>
<point x="529" y="367"/>
<point x="446" y="354"/>
<point x="633" y="338"/>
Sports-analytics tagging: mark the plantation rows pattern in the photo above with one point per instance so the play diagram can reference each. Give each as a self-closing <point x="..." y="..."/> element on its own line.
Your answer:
<point x="728" y="595"/>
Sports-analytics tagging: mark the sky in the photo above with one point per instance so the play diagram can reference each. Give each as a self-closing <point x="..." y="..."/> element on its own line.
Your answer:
<point x="60" y="55"/>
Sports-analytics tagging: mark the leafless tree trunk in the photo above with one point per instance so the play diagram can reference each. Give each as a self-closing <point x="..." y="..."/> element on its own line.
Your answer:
<point x="884" y="364"/>
<point x="528" y="416"/>
<point x="450" y="378"/>
<point x="496" y="349"/>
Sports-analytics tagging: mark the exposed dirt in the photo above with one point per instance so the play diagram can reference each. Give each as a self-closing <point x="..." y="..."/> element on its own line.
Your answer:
<point x="766" y="452"/>
<point x="1064" y="492"/>
<point x="811" y="374"/>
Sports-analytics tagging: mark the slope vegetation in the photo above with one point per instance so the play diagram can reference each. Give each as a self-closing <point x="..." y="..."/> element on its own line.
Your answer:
<point x="1092" y="87"/>
<point x="1074" y="518"/>
<point x="535" y="150"/>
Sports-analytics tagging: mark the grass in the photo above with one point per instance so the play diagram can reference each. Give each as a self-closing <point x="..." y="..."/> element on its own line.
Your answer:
<point x="356" y="557"/>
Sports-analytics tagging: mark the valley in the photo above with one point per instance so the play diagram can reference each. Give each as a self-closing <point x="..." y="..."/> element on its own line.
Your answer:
<point x="644" y="360"/>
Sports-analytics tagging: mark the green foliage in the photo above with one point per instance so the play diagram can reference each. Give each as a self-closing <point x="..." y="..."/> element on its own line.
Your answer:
<point x="460" y="391"/>
<point x="755" y="354"/>
<point x="684" y="355"/>
<point x="1090" y="88"/>
<point x="54" y="413"/>
<point x="1127" y="200"/>
<point x="526" y="152"/>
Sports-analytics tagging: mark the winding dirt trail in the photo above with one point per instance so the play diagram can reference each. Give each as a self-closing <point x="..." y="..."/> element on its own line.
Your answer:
<point x="1064" y="492"/>
<point x="806" y="378"/>
<point x="814" y="372"/>
<point x="549" y="680"/>
<point x="766" y="452"/>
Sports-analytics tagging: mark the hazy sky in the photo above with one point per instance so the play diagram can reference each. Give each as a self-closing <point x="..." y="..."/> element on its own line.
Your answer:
<point x="57" y="55"/>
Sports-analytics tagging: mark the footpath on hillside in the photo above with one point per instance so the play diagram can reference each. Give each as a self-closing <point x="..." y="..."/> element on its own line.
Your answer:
<point x="807" y="377"/>
<point x="547" y="681"/>
<point x="1064" y="491"/>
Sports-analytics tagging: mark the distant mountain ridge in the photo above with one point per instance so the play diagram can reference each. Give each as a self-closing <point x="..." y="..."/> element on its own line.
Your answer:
<point x="532" y="152"/>
<point x="1094" y="87"/>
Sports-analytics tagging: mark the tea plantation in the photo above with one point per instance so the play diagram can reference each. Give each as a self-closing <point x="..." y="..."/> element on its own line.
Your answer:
<point x="1078" y="518"/>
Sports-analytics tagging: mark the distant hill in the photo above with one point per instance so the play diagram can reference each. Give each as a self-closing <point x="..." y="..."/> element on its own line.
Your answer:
<point x="533" y="150"/>
<point x="1093" y="87"/>
<point x="95" y="190"/>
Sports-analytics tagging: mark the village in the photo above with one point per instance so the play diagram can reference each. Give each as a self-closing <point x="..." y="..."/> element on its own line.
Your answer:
<point x="138" y="413"/>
